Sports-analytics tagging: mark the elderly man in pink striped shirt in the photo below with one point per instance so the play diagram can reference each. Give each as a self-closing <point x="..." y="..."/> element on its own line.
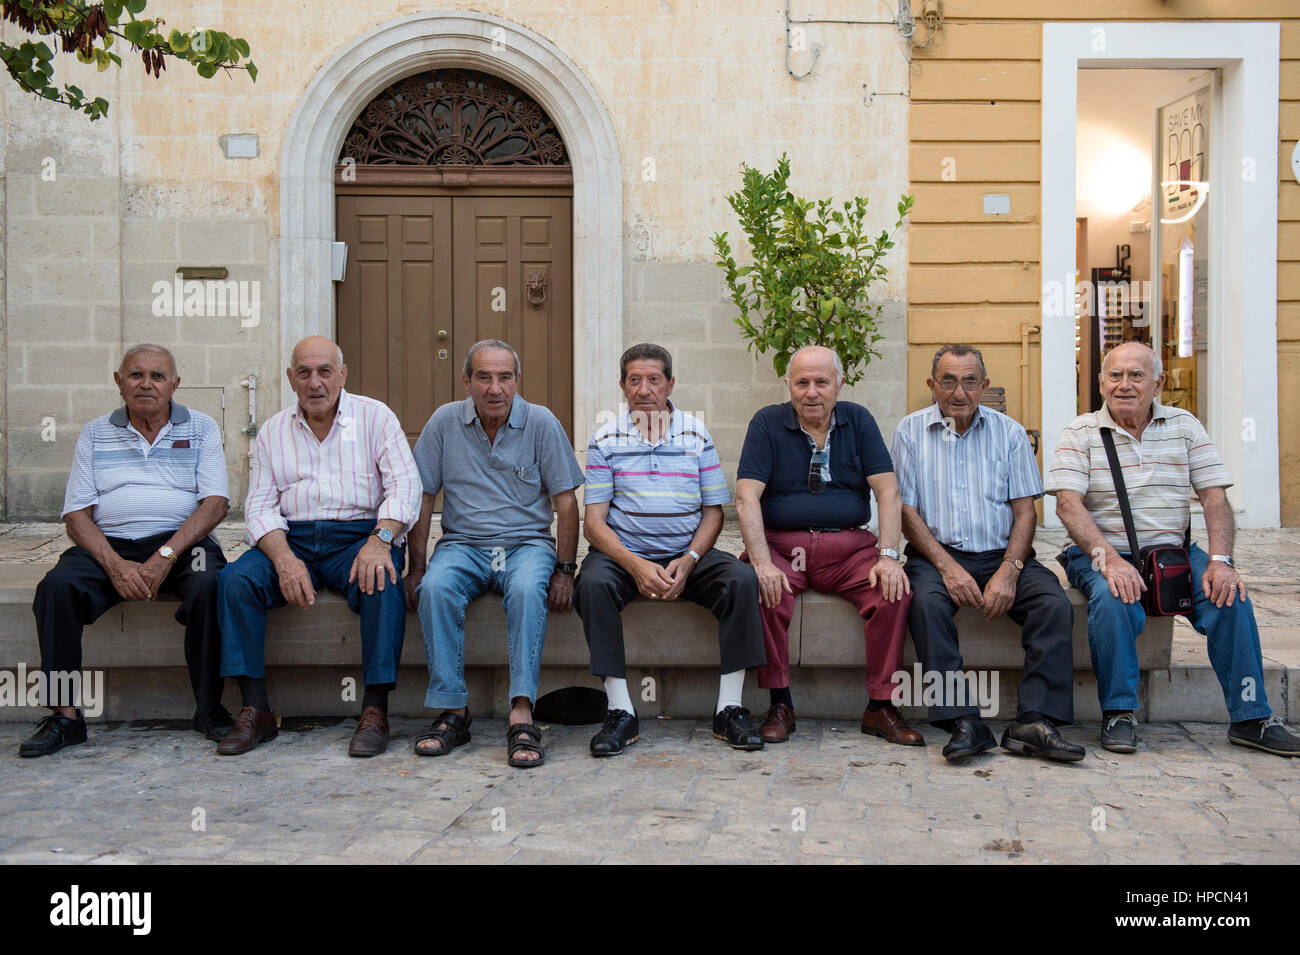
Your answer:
<point x="333" y="491"/>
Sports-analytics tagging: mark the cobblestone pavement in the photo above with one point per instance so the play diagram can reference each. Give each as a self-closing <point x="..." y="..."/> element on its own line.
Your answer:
<point x="138" y="793"/>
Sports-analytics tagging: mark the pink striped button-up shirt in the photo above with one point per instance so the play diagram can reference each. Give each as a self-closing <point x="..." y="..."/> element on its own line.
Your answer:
<point x="363" y="470"/>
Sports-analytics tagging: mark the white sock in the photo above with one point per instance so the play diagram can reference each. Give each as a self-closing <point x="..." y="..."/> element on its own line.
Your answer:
<point x="729" y="689"/>
<point x="616" y="693"/>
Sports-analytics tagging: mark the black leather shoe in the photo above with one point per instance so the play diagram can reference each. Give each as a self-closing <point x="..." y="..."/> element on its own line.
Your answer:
<point x="53" y="733"/>
<point x="1041" y="739"/>
<point x="733" y="725"/>
<point x="970" y="736"/>
<point x="214" y="726"/>
<point x="1270" y="735"/>
<point x="621" y="729"/>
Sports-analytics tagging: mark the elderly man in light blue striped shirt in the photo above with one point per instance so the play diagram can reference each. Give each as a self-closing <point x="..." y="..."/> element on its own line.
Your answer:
<point x="968" y="483"/>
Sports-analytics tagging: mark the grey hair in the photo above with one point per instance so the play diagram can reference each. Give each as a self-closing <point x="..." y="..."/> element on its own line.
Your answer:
<point x="147" y="348"/>
<point x="959" y="351"/>
<point x="835" y="356"/>
<point x="485" y="344"/>
<point x="1157" y="366"/>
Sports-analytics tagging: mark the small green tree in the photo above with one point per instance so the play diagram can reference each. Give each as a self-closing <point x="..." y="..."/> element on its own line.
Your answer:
<point x="811" y="273"/>
<point x="90" y="30"/>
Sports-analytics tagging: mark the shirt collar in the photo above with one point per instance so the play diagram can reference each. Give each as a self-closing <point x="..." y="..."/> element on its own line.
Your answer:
<point x="1159" y="412"/>
<point x="180" y="414"/>
<point x="791" y="420"/>
<point x="518" y="412"/>
<point x="676" y="424"/>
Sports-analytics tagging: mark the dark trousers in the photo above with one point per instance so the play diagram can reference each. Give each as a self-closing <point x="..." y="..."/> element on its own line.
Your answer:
<point x="1040" y="608"/>
<point x="249" y="587"/>
<point x="720" y="583"/>
<point x="78" y="591"/>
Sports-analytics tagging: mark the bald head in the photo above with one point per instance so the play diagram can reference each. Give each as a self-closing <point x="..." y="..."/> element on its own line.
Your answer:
<point x="316" y="345"/>
<point x="815" y="358"/>
<point x="1130" y="350"/>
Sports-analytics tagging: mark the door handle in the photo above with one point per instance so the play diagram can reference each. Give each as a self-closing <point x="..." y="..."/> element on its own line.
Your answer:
<point x="442" y="334"/>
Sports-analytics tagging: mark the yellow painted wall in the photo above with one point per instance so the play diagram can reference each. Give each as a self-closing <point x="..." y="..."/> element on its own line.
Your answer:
<point x="975" y="124"/>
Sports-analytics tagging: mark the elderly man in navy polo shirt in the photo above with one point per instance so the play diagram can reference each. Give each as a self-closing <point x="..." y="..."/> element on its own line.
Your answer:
<point x="968" y="482"/>
<point x="802" y="496"/>
<point x="653" y="511"/>
<point x="148" y="485"/>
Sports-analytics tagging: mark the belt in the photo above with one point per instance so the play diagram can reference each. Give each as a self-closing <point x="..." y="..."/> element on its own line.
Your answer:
<point x="827" y="530"/>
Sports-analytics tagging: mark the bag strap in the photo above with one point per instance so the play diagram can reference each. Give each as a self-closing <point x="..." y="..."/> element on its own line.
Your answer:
<point x="1122" y="492"/>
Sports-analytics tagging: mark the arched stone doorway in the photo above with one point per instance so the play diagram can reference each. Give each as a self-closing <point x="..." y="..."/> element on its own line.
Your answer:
<point x="423" y="41"/>
<point x="454" y="196"/>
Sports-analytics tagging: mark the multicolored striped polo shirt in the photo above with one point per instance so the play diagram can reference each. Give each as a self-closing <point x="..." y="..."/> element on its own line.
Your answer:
<point x="656" y="491"/>
<point x="1174" y="457"/>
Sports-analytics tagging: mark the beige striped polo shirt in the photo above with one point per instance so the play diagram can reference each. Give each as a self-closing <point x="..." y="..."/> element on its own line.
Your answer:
<point x="1174" y="457"/>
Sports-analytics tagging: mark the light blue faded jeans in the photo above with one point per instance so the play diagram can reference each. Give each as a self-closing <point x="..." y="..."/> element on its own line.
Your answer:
<point x="1113" y="628"/>
<point x="457" y="573"/>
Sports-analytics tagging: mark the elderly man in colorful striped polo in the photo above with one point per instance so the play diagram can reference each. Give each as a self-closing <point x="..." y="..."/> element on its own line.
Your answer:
<point x="148" y="485"/>
<point x="1165" y="455"/>
<point x="968" y="482"/>
<point x="332" y="493"/>
<point x="653" y="510"/>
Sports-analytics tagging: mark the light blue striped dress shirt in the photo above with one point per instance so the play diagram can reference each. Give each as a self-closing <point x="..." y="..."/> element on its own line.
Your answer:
<point x="961" y="483"/>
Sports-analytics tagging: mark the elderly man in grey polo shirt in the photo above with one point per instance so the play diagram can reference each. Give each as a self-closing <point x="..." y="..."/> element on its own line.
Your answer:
<point x="501" y="464"/>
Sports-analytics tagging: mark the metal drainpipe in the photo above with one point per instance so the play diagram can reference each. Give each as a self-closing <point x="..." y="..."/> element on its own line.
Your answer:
<point x="251" y="384"/>
<point x="1026" y="329"/>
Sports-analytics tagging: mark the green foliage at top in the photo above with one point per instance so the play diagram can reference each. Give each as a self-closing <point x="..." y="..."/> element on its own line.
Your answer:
<point x="813" y="265"/>
<point x="90" y="31"/>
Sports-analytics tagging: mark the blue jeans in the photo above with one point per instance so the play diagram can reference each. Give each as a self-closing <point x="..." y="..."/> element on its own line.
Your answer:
<point x="1113" y="628"/>
<point x="250" y="586"/>
<point x="458" y="573"/>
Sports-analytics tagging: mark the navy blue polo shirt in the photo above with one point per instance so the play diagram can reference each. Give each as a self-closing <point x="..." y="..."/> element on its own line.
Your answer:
<point x="778" y="452"/>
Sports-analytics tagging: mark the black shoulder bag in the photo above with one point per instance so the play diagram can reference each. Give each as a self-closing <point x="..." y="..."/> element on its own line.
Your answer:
<point x="1166" y="570"/>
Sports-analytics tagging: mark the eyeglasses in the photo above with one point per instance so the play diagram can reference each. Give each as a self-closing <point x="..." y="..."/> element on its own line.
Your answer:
<point x="947" y="384"/>
<point x="816" y="482"/>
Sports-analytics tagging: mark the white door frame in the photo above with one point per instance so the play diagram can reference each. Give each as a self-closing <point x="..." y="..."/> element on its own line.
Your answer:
<point x="1243" y="313"/>
<point x="421" y="41"/>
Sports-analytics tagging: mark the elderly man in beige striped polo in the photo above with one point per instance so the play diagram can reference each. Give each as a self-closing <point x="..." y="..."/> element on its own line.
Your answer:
<point x="1164" y="454"/>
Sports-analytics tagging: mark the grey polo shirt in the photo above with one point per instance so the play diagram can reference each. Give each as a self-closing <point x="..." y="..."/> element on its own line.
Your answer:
<point x="496" y="494"/>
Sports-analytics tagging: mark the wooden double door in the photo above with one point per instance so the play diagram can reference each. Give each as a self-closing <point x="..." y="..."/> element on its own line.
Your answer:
<point x="428" y="275"/>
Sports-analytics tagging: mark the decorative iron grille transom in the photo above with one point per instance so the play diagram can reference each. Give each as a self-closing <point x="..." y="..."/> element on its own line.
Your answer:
<point x="454" y="118"/>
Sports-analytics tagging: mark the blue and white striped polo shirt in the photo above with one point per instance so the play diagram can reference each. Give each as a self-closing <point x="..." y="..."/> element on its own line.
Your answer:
<point x="138" y="489"/>
<point x="961" y="483"/>
<point x="655" y="490"/>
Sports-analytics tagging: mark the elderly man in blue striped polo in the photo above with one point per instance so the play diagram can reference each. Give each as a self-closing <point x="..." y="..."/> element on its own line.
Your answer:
<point x="148" y="485"/>
<point x="968" y="482"/>
<point x="652" y="512"/>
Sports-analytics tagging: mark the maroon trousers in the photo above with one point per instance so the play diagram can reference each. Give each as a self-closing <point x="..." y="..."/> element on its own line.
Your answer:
<point x="834" y="563"/>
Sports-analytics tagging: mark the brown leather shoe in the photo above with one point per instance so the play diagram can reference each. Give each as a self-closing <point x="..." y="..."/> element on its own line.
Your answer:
<point x="778" y="724"/>
<point x="887" y="723"/>
<point x="252" y="726"/>
<point x="371" y="737"/>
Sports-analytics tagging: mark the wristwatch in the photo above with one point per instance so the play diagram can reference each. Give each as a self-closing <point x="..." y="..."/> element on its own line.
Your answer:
<point x="569" y="567"/>
<point x="1223" y="559"/>
<point x="168" y="553"/>
<point x="695" y="555"/>
<point x="383" y="533"/>
<point x="1017" y="564"/>
<point x="889" y="552"/>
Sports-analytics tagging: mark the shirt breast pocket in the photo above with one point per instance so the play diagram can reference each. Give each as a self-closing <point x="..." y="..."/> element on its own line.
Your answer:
<point x="848" y="472"/>
<point x="524" y="481"/>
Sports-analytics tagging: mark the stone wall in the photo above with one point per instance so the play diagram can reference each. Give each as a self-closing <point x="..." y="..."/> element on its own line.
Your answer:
<point x="96" y="213"/>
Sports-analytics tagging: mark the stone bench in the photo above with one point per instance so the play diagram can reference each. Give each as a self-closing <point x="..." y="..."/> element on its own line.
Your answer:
<point x="311" y="653"/>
